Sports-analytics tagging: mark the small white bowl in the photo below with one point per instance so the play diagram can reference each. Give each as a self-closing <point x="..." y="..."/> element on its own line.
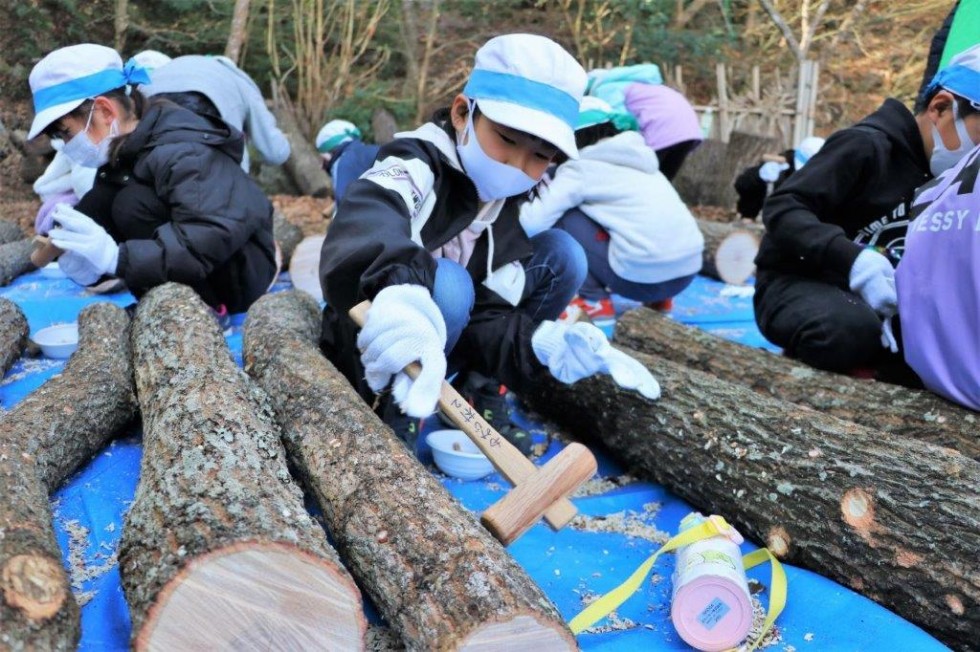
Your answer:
<point x="58" y="341"/>
<point x="51" y="270"/>
<point x="456" y="455"/>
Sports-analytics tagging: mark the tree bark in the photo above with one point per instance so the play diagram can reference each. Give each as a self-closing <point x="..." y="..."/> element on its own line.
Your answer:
<point x="437" y="577"/>
<point x="304" y="164"/>
<point x="699" y="179"/>
<point x="218" y="551"/>
<point x="120" y="24"/>
<point x="891" y="409"/>
<point x="44" y="439"/>
<point x="287" y="236"/>
<point x="729" y="250"/>
<point x="744" y="149"/>
<point x="10" y="232"/>
<point x="13" y="334"/>
<point x="237" y="32"/>
<point x="15" y="260"/>
<point x="895" y="519"/>
<point x="384" y="126"/>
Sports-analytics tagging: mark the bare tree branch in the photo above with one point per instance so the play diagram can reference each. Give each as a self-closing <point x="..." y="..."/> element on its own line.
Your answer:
<point x="783" y="28"/>
<point x="807" y="39"/>
<point x="236" y="35"/>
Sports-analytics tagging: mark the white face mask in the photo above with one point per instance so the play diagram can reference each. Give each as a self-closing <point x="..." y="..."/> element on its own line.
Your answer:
<point x="82" y="151"/>
<point x="493" y="179"/>
<point x="942" y="159"/>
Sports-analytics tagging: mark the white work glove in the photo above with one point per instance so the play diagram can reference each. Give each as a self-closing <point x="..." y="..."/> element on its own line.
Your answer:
<point x="872" y="277"/>
<point x="887" y="336"/>
<point x="574" y="352"/>
<point x="770" y="171"/>
<point x="76" y="267"/>
<point x="79" y="232"/>
<point x="404" y="325"/>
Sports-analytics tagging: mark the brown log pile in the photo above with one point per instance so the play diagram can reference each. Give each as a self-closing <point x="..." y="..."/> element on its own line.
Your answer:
<point x="218" y="551"/>
<point x="884" y="407"/>
<point x="45" y="438"/>
<point x="895" y="519"/>
<point x="13" y="333"/>
<point x="438" y="578"/>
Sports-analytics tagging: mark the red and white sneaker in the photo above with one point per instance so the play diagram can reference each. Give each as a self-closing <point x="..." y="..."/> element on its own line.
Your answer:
<point x="601" y="311"/>
<point x="664" y="305"/>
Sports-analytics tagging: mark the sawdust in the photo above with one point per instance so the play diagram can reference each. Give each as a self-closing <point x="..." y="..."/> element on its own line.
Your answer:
<point x="31" y="366"/>
<point x="602" y="485"/>
<point x="382" y="639"/>
<point x="631" y="523"/>
<point x="81" y="571"/>
<point x="772" y="637"/>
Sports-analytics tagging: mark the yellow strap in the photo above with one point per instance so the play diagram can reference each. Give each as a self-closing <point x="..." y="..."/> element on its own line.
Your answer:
<point x="710" y="527"/>
<point x="777" y="588"/>
<point x="610" y="601"/>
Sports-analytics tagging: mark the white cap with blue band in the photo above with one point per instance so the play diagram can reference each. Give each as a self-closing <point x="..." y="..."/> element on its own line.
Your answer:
<point x="65" y="78"/>
<point x="334" y="134"/>
<point x="529" y="83"/>
<point x="961" y="76"/>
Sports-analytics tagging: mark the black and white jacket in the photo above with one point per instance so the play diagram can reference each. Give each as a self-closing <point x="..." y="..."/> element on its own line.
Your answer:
<point x="414" y="200"/>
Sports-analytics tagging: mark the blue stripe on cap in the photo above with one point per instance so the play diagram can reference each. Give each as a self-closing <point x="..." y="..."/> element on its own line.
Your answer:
<point x="89" y="86"/>
<point x="960" y="80"/>
<point x="504" y="87"/>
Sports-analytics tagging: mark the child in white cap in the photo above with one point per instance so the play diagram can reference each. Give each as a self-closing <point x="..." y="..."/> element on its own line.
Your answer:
<point x="640" y="239"/>
<point x="758" y="181"/>
<point x="825" y="288"/>
<point x="430" y="234"/>
<point x="169" y="203"/>
<point x="345" y="156"/>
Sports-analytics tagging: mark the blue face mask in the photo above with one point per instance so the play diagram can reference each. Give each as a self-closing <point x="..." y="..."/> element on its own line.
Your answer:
<point x="942" y="159"/>
<point x="82" y="151"/>
<point x="493" y="179"/>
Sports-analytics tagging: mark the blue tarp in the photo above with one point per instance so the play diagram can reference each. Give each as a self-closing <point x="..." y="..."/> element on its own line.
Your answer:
<point x="568" y="565"/>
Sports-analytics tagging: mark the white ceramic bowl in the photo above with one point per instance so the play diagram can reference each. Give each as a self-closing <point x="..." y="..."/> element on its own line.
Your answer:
<point x="457" y="456"/>
<point x="58" y="341"/>
<point x="52" y="270"/>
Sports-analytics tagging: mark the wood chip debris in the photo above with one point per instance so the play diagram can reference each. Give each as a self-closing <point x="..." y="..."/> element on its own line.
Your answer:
<point x="598" y="486"/>
<point x="81" y="571"/>
<point x="628" y="522"/>
<point x="772" y="637"/>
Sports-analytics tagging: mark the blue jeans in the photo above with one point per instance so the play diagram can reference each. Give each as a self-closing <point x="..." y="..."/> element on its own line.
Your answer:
<point x="601" y="278"/>
<point x="552" y="276"/>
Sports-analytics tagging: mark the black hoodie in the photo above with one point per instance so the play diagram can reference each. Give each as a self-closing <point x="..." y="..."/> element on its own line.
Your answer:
<point x="854" y="192"/>
<point x="181" y="209"/>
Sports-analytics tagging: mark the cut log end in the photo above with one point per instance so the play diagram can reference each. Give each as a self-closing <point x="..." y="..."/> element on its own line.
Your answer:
<point x="256" y="596"/>
<point x="735" y="257"/>
<point x="34" y="584"/>
<point x="858" y="509"/>
<point x="519" y="633"/>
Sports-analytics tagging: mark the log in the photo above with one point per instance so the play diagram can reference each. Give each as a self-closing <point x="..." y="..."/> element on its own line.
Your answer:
<point x="287" y="236"/>
<point x="217" y="550"/>
<point x="13" y="334"/>
<point x="729" y="250"/>
<point x="744" y="149"/>
<point x="895" y="519"/>
<point x="304" y="165"/>
<point x="383" y="125"/>
<point x="15" y="260"/>
<point x="10" y="232"/>
<point x="43" y="440"/>
<point x="890" y="409"/>
<point x="699" y="179"/>
<point x="438" y="578"/>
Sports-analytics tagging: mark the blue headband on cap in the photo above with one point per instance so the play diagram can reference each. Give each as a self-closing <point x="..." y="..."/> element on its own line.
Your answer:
<point x="504" y="87"/>
<point x="960" y="80"/>
<point x="90" y="85"/>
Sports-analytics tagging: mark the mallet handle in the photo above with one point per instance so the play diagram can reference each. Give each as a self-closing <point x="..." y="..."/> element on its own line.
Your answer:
<point x="504" y="456"/>
<point x="44" y="252"/>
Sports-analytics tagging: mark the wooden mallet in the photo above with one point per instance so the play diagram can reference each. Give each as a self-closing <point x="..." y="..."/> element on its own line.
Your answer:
<point x="537" y="491"/>
<point x="44" y="252"/>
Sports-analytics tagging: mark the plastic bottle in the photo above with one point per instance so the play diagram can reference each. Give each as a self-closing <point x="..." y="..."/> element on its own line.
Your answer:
<point x="711" y="607"/>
